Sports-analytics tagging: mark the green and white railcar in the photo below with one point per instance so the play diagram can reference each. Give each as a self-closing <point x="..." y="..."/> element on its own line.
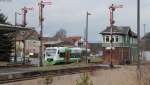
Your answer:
<point x="58" y="55"/>
<point x="75" y="54"/>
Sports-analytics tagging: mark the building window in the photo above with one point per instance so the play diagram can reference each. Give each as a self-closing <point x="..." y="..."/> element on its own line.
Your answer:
<point x="107" y="38"/>
<point x="112" y="39"/>
<point x="117" y="38"/>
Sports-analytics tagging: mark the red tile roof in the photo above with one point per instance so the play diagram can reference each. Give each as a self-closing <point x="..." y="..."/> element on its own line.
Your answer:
<point x="74" y="38"/>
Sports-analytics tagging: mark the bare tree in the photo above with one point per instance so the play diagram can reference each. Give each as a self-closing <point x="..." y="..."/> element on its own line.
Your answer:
<point x="61" y="33"/>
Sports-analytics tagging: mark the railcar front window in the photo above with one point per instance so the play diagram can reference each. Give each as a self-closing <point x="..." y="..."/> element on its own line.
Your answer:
<point x="51" y="52"/>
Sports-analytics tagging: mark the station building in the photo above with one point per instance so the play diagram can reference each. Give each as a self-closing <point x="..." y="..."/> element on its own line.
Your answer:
<point x="17" y="42"/>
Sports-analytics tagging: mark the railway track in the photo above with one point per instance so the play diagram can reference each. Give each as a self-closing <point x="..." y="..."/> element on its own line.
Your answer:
<point x="34" y="74"/>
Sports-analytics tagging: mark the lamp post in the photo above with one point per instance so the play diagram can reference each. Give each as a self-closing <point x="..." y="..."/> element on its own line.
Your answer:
<point x="86" y="35"/>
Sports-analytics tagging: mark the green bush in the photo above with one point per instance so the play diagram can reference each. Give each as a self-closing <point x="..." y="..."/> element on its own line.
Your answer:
<point x="84" y="80"/>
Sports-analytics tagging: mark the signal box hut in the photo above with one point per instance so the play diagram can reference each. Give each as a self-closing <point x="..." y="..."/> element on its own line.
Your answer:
<point x="124" y="45"/>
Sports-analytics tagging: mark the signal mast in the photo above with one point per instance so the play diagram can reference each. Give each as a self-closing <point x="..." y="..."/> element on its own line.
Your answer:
<point x="41" y="5"/>
<point x="24" y="14"/>
<point x="112" y="8"/>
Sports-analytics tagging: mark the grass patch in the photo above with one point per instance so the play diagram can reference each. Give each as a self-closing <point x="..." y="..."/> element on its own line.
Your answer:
<point x="96" y="60"/>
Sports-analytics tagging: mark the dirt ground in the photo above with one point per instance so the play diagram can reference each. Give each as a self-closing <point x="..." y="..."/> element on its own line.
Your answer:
<point x="125" y="75"/>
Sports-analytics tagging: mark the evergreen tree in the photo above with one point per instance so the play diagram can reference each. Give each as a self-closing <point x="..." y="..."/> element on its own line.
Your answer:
<point x="3" y="19"/>
<point x="6" y="43"/>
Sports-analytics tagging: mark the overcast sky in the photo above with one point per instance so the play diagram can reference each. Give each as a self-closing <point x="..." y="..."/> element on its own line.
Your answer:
<point x="71" y="15"/>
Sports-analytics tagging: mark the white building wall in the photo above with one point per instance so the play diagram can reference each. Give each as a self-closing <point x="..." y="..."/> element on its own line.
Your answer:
<point x="120" y="39"/>
<point x="19" y="48"/>
<point x="32" y="46"/>
<point x="146" y="55"/>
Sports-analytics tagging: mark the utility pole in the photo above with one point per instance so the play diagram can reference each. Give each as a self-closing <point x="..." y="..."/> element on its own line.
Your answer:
<point x="15" y="57"/>
<point x="41" y="19"/>
<point x="138" y="33"/>
<point x="138" y="45"/>
<point x="112" y="8"/>
<point x="144" y="38"/>
<point x="24" y="13"/>
<point x="86" y="35"/>
<point x="144" y="25"/>
<point x="144" y="43"/>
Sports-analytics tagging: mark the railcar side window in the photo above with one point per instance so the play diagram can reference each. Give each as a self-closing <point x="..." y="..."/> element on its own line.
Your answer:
<point x="75" y="55"/>
<point x="62" y="55"/>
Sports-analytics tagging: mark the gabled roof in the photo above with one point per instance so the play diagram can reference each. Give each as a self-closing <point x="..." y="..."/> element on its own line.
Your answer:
<point x="74" y="38"/>
<point x="46" y="39"/>
<point x="27" y="34"/>
<point x="57" y="41"/>
<point x="120" y="30"/>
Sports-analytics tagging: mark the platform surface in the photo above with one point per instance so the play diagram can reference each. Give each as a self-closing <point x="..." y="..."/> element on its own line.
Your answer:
<point x="15" y="70"/>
